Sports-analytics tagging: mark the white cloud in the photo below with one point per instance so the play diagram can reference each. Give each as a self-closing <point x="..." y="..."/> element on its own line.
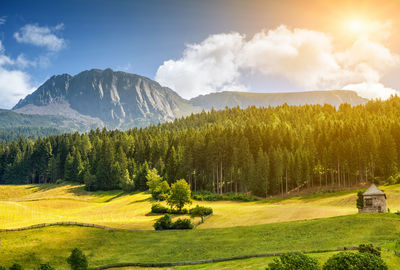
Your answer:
<point x="204" y="67"/>
<point x="14" y="84"/>
<point x="307" y="58"/>
<point x="372" y="90"/>
<point x="41" y="36"/>
<point x="3" y="20"/>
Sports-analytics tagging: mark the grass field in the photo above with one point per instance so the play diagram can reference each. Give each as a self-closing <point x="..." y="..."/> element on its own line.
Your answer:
<point x="314" y="222"/>
<point x="54" y="244"/>
<point x="22" y="206"/>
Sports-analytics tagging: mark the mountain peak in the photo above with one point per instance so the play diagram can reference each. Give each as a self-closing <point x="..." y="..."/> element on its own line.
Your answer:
<point x="116" y="98"/>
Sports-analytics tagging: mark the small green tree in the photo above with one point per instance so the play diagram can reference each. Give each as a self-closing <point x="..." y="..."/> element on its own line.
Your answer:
<point x="294" y="261"/>
<point x="360" y="200"/>
<point x="157" y="187"/>
<point x="46" y="266"/>
<point x="179" y="195"/>
<point x="16" y="266"/>
<point x="77" y="260"/>
<point x="200" y="211"/>
<point x="354" y="261"/>
<point x="126" y="183"/>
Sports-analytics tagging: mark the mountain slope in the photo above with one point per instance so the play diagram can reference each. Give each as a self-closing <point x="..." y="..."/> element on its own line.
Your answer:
<point x="117" y="99"/>
<point x="221" y="100"/>
<point x="98" y="98"/>
<point x="11" y="120"/>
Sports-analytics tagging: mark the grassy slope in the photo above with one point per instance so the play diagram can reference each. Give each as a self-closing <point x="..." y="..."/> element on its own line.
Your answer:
<point x="27" y="205"/>
<point x="103" y="246"/>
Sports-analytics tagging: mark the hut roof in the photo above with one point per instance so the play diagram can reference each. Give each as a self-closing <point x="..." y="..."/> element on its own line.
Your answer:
<point x="373" y="190"/>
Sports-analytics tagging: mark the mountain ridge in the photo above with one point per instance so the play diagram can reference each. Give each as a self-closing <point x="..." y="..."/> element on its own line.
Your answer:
<point x="115" y="99"/>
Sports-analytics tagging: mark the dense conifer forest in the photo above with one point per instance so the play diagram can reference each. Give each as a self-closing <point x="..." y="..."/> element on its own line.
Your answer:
<point x="264" y="151"/>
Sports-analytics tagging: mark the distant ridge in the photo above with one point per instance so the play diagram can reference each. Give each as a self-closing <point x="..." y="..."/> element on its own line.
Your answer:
<point x="221" y="100"/>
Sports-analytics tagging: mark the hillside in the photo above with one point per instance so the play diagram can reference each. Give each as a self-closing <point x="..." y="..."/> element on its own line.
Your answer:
<point x="116" y="99"/>
<point x="219" y="101"/>
<point x="16" y="124"/>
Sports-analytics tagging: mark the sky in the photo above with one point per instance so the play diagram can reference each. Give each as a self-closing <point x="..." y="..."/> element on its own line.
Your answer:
<point x="200" y="47"/>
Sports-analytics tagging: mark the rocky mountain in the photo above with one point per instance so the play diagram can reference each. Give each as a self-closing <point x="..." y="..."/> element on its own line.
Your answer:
<point x="221" y="100"/>
<point x="104" y="97"/>
<point x="98" y="98"/>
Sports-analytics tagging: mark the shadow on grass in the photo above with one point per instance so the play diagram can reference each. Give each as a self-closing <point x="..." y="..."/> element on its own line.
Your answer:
<point x="44" y="187"/>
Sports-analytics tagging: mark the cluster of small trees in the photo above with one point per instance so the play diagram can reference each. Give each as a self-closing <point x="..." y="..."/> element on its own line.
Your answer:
<point x="77" y="261"/>
<point x="264" y="151"/>
<point x="368" y="257"/>
<point x="179" y="195"/>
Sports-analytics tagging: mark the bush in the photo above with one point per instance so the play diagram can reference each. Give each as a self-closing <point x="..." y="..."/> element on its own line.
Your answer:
<point x="294" y="261"/>
<point x="369" y="248"/>
<point x="182" y="224"/>
<point x="59" y="181"/>
<point x="178" y="212"/>
<point x="163" y="223"/>
<point x="354" y="261"/>
<point x="2" y="268"/>
<point x="210" y="196"/>
<point x="46" y="266"/>
<point x="360" y="200"/>
<point x="77" y="260"/>
<point x="157" y="208"/>
<point x="16" y="266"/>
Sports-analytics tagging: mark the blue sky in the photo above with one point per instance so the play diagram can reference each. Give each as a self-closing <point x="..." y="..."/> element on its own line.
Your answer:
<point x="236" y="44"/>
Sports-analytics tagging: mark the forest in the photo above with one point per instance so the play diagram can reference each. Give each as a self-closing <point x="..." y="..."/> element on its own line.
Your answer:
<point x="262" y="151"/>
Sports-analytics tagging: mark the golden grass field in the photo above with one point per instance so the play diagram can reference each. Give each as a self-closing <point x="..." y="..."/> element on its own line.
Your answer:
<point x="26" y="205"/>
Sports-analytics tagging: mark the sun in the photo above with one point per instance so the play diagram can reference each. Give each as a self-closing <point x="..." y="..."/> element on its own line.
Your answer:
<point x="356" y="26"/>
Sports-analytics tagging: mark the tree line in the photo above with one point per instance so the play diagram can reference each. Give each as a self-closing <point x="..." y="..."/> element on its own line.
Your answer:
<point x="264" y="151"/>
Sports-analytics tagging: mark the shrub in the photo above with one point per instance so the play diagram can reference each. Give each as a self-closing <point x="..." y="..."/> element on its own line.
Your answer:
<point x="59" y="181"/>
<point x="200" y="211"/>
<point x="163" y="223"/>
<point x="2" y="268"/>
<point x="294" y="261"/>
<point x="16" y="266"/>
<point x="182" y="224"/>
<point x="354" y="261"/>
<point x="360" y="200"/>
<point x="46" y="266"/>
<point x="369" y="248"/>
<point x="177" y="211"/>
<point x="77" y="260"/>
<point x="157" y="208"/>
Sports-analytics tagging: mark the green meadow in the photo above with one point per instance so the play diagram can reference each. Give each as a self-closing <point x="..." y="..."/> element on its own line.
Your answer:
<point x="315" y="222"/>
